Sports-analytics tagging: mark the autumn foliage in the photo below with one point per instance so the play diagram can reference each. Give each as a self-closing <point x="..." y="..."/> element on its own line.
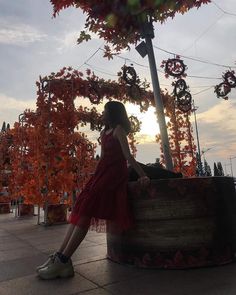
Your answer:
<point x="50" y="156"/>
<point x="119" y="22"/>
<point x="180" y="133"/>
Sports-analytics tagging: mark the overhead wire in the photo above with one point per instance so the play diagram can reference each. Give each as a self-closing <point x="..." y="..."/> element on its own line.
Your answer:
<point x="88" y="59"/>
<point x="203" y="33"/>
<point x="204" y="90"/>
<point x="224" y="11"/>
<point x="101" y="70"/>
<point x="193" y="58"/>
<point x="128" y="59"/>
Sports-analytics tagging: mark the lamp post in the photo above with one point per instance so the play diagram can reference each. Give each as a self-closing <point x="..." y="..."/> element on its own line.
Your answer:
<point x="226" y="172"/>
<point x="198" y="141"/>
<point x="231" y="165"/>
<point x="205" y="151"/>
<point x="146" y="48"/>
<point x="21" y="120"/>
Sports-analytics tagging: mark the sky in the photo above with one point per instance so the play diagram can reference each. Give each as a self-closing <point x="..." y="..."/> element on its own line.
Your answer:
<point x="32" y="43"/>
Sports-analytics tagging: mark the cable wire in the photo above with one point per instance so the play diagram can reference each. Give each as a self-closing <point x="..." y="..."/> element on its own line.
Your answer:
<point x="194" y="59"/>
<point x="221" y="9"/>
<point x="203" y="91"/>
<point x="90" y="57"/>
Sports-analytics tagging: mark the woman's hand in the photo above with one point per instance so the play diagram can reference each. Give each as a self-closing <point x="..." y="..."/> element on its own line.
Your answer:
<point x="144" y="180"/>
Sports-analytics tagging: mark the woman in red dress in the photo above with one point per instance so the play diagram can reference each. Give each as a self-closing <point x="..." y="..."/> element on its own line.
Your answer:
<point x="104" y="197"/>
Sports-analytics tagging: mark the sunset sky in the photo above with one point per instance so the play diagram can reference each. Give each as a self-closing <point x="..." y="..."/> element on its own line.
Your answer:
<point x="32" y="43"/>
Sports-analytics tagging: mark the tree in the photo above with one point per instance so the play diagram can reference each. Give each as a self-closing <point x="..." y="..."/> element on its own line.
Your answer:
<point x="3" y="127"/>
<point x="207" y="169"/>
<point x="216" y="172"/>
<point x="119" y="22"/>
<point x="122" y="23"/>
<point x="220" y="169"/>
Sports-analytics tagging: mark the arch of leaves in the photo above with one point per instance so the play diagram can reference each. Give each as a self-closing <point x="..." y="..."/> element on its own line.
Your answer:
<point x="49" y="156"/>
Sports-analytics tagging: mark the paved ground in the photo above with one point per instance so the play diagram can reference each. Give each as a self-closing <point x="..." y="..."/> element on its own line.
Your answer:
<point x="24" y="245"/>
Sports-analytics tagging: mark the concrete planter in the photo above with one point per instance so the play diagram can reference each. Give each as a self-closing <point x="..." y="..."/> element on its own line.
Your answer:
<point x="179" y="223"/>
<point x="56" y="214"/>
<point x="5" y="208"/>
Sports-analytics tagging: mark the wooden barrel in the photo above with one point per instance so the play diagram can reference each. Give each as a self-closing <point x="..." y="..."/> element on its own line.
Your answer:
<point x="179" y="223"/>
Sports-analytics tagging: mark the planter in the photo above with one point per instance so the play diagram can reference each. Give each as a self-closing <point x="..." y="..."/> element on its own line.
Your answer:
<point x="4" y="208"/>
<point x="56" y="214"/>
<point x="25" y="210"/>
<point x="180" y="223"/>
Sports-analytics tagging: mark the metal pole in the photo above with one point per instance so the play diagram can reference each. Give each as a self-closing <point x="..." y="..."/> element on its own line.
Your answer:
<point x="38" y="214"/>
<point x="226" y="170"/>
<point x="148" y="33"/>
<point x="46" y="203"/>
<point x="231" y="166"/>
<point x="198" y="142"/>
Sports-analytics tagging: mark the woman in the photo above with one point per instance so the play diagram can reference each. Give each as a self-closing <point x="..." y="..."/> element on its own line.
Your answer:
<point x="104" y="196"/>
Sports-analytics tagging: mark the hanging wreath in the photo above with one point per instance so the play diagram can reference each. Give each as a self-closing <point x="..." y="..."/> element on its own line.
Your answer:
<point x="230" y="78"/>
<point x="184" y="98"/>
<point x="185" y="108"/>
<point x="135" y="124"/>
<point x="144" y="105"/>
<point x="175" y="67"/>
<point x="100" y="125"/>
<point x="222" y="89"/>
<point x="45" y="85"/>
<point x="134" y="92"/>
<point x="89" y="147"/>
<point x="179" y="86"/>
<point x="129" y="75"/>
<point x="94" y="95"/>
<point x="184" y="101"/>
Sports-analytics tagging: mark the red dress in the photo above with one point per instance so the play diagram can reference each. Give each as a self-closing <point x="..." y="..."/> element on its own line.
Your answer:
<point x="105" y="195"/>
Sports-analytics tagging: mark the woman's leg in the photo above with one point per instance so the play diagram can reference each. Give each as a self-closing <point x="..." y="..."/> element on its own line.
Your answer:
<point x="67" y="237"/>
<point x="76" y="238"/>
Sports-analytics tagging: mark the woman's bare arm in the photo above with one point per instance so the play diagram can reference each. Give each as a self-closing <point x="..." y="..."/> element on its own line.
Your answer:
<point x="119" y="133"/>
<point x="101" y="135"/>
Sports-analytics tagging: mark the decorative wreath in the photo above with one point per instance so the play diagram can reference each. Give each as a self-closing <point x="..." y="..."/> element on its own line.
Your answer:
<point x="134" y="92"/>
<point x="222" y="89"/>
<point x="179" y="86"/>
<point x="184" y="98"/>
<point x="185" y="108"/>
<point x="45" y="85"/>
<point x="135" y="124"/>
<point x="230" y="78"/>
<point x="184" y="101"/>
<point x="129" y="75"/>
<point x="175" y="67"/>
<point x="89" y="147"/>
<point x="144" y="105"/>
<point x="94" y="95"/>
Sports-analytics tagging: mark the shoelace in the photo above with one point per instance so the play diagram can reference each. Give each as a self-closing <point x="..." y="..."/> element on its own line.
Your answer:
<point x="53" y="257"/>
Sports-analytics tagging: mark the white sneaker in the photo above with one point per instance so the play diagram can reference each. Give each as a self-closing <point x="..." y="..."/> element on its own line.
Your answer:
<point x="49" y="261"/>
<point x="57" y="269"/>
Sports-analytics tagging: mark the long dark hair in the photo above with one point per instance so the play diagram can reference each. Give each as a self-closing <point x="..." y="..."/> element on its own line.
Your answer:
<point x="117" y="115"/>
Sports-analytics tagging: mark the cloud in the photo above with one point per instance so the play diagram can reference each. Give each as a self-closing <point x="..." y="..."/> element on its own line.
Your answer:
<point x="68" y="41"/>
<point x="19" y="34"/>
<point x="217" y="129"/>
<point x="12" y="107"/>
<point x="222" y="116"/>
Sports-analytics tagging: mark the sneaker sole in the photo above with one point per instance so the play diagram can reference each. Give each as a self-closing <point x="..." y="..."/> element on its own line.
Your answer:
<point x="64" y="274"/>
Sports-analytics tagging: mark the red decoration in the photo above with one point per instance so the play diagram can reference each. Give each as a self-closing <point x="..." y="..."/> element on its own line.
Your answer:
<point x="230" y="78"/>
<point x="119" y="22"/>
<point x="174" y="67"/>
<point x="222" y="90"/>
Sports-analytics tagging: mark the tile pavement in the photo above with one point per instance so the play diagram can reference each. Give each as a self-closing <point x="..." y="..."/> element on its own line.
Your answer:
<point x="24" y="245"/>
